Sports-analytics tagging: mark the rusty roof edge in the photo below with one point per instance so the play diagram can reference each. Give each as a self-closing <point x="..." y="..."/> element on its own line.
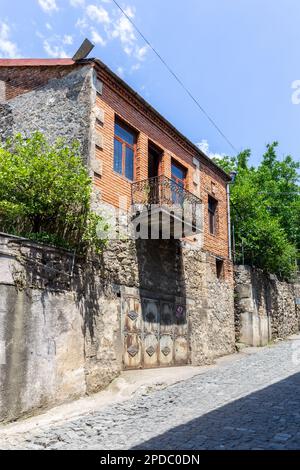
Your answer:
<point x="42" y="62"/>
<point x="198" y="151"/>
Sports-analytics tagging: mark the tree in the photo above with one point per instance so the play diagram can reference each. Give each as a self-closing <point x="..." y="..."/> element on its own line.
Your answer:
<point x="266" y="211"/>
<point x="45" y="193"/>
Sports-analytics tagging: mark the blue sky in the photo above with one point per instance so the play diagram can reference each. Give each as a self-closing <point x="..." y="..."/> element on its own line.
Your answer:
<point x="238" y="57"/>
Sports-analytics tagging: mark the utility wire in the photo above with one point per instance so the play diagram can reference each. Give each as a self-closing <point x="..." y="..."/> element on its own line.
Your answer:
<point x="177" y="78"/>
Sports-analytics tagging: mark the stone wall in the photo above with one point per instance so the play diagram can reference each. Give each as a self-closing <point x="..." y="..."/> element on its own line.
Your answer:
<point x="57" y="101"/>
<point x="265" y="307"/>
<point x="60" y="325"/>
<point x="181" y="270"/>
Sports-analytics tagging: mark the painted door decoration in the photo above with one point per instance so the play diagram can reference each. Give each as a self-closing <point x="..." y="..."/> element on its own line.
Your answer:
<point x="155" y="333"/>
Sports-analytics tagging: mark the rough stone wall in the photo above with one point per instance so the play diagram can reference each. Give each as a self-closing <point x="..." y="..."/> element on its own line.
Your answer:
<point x="265" y="307"/>
<point x="182" y="270"/>
<point x="56" y="101"/>
<point x="60" y="325"/>
<point x="211" y="307"/>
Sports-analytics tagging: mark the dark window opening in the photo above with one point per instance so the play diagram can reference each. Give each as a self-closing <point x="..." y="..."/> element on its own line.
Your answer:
<point x="154" y="160"/>
<point x="212" y="214"/>
<point x="124" y="150"/>
<point x="220" y="268"/>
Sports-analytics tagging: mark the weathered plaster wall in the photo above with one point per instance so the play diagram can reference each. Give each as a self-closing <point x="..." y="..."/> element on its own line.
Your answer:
<point x="59" y="328"/>
<point x="265" y="308"/>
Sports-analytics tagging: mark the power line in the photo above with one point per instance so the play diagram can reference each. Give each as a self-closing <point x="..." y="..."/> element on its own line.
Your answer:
<point x="177" y="78"/>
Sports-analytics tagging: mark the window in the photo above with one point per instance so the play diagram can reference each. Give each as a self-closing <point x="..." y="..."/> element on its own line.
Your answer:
<point x="178" y="174"/>
<point x="219" y="268"/>
<point x="212" y="212"/>
<point x="124" y="150"/>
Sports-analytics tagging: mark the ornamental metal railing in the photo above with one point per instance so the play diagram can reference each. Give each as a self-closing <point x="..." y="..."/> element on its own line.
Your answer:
<point x="163" y="192"/>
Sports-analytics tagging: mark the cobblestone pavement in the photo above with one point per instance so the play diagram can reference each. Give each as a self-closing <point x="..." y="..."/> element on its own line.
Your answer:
<point x="252" y="402"/>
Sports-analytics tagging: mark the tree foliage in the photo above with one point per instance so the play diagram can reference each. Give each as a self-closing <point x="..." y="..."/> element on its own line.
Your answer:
<point x="45" y="193"/>
<point x="265" y="204"/>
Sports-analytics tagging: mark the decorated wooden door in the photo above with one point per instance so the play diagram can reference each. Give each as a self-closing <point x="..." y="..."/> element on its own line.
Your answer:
<point x="155" y="333"/>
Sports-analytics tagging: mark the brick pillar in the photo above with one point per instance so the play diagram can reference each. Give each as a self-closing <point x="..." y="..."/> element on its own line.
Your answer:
<point x="166" y="165"/>
<point x="142" y="157"/>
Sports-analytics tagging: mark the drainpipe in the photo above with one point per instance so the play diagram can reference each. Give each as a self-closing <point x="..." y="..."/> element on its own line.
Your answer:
<point x="229" y="222"/>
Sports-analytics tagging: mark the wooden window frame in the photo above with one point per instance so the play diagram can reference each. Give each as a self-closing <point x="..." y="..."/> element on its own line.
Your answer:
<point x="185" y="170"/>
<point x="124" y="146"/>
<point x="212" y="214"/>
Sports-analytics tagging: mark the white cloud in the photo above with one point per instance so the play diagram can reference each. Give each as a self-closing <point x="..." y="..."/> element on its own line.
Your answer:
<point x="130" y="11"/>
<point x="135" y="67"/>
<point x="124" y="30"/>
<point x="77" y="3"/>
<point x="56" y="51"/>
<point x="98" y="14"/>
<point x="48" y="5"/>
<point x="48" y="26"/>
<point x="204" y="146"/>
<point x="7" y="47"/>
<point x="96" y="38"/>
<point x="141" y="52"/>
<point x="82" y="24"/>
<point x="114" y="26"/>
<point x="68" y="39"/>
<point x="120" y="71"/>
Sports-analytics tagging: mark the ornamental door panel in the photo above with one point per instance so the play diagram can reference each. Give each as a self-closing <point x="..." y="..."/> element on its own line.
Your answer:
<point x="151" y="320"/>
<point x="180" y="320"/>
<point x="155" y="333"/>
<point x="132" y="315"/>
<point x="181" y="343"/>
<point x="166" y="344"/>
<point x="132" y="330"/>
<point x="166" y="350"/>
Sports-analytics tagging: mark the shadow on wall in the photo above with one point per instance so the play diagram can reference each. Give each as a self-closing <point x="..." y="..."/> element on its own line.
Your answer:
<point x="58" y="270"/>
<point x="160" y="336"/>
<point x="261" y="292"/>
<point x="267" y="419"/>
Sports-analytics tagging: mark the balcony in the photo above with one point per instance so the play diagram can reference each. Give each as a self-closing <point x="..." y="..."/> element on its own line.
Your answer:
<point x="162" y="208"/>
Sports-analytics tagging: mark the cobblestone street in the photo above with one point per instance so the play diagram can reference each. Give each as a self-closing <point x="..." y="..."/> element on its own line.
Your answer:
<point x="252" y="402"/>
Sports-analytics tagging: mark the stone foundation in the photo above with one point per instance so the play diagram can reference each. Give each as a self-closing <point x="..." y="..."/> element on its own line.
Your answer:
<point x="60" y="320"/>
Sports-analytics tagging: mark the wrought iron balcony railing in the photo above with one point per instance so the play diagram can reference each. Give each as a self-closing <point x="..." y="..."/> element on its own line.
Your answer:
<point x="163" y="192"/>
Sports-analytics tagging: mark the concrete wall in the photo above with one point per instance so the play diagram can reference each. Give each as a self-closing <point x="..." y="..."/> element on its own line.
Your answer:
<point x="58" y="330"/>
<point x="265" y="308"/>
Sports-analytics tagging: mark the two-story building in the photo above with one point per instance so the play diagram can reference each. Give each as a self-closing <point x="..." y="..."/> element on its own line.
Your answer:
<point x="175" y="285"/>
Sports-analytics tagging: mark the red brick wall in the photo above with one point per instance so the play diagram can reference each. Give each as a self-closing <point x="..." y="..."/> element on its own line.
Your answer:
<point x="20" y="80"/>
<point x="111" y="184"/>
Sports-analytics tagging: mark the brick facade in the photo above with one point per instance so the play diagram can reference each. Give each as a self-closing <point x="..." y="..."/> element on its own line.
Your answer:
<point x="116" y="101"/>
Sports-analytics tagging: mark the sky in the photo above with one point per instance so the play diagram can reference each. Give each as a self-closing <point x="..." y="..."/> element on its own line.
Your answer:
<point x="239" y="59"/>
